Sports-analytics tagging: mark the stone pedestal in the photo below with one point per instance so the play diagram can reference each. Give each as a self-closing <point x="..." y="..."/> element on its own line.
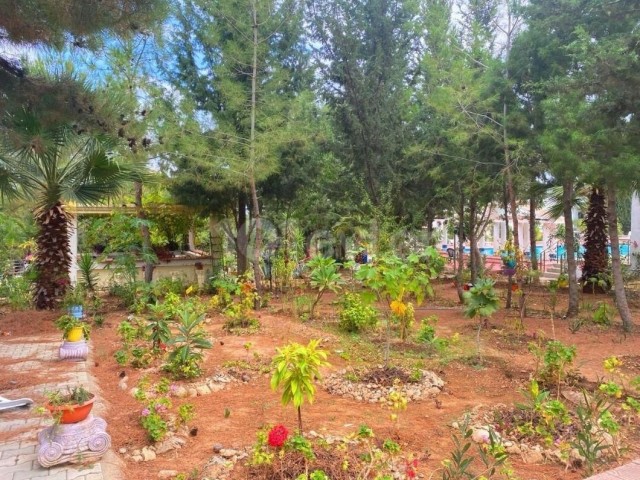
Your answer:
<point x="74" y="350"/>
<point x="73" y="443"/>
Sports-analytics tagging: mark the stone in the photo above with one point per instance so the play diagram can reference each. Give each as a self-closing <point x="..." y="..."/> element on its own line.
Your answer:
<point x="217" y="447"/>
<point x="227" y="453"/>
<point x="148" y="454"/>
<point x="122" y="450"/>
<point x="203" y="390"/>
<point x="122" y="384"/>
<point x="137" y="458"/>
<point x="167" y="473"/>
<point x="180" y="391"/>
<point x="168" y="444"/>
<point x="532" y="455"/>
<point x="192" y="392"/>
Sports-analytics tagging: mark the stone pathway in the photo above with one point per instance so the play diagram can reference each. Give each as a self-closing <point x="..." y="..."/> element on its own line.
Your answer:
<point x="19" y="426"/>
<point x="630" y="471"/>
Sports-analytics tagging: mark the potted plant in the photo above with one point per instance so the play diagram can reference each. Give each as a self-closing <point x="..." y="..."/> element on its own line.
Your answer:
<point x="73" y="329"/>
<point x="70" y="406"/>
<point x="74" y="299"/>
<point x="508" y="254"/>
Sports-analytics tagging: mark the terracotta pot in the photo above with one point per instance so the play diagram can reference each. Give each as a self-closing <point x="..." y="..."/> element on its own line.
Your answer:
<point x="71" y="413"/>
<point x="75" y="334"/>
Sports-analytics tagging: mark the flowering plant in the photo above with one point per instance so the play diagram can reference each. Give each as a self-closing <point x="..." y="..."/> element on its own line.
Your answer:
<point x="277" y="436"/>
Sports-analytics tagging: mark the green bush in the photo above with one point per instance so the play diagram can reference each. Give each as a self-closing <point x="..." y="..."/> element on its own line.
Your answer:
<point x="356" y="315"/>
<point x="15" y="291"/>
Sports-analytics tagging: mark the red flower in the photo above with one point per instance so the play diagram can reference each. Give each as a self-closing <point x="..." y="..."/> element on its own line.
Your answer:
<point x="410" y="468"/>
<point x="277" y="436"/>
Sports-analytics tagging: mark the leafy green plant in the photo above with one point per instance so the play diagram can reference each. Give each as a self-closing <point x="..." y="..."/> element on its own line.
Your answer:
<point x="296" y="369"/>
<point x="86" y="267"/>
<point x="557" y="358"/>
<point x="66" y="323"/>
<point x="302" y="307"/>
<point x="184" y="360"/>
<point x="75" y="295"/>
<point x="593" y="415"/>
<point x="603" y="314"/>
<point x="15" y="290"/>
<point x="394" y="280"/>
<point x="324" y="276"/>
<point x="186" y="413"/>
<point x="356" y="315"/>
<point x="481" y="301"/>
<point x="152" y="418"/>
<point x="158" y="325"/>
<point x="427" y="332"/>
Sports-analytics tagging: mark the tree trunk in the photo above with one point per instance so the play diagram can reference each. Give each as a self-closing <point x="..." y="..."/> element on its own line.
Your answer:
<point x="473" y="240"/>
<point x="567" y="204"/>
<point x="241" y="237"/>
<point x="144" y="232"/>
<point x="257" y="252"/>
<point x="596" y="258"/>
<point x="616" y="264"/>
<point x="52" y="257"/>
<point x="217" y="245"/>
<point x="460" y="253"/>
<point x="532" y="234"/>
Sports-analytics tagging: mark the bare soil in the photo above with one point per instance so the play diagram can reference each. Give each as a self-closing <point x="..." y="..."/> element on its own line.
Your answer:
<point x="232" y="416"/>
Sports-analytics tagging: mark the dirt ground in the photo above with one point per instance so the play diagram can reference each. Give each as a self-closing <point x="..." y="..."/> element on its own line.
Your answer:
<point x="232" y="416"/>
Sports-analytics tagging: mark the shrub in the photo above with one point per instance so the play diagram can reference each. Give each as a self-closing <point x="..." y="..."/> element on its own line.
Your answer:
<point x="356" y="315"/>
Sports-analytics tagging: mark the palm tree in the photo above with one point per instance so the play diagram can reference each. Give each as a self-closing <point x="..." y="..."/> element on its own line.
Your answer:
<point x="48" y="167"/>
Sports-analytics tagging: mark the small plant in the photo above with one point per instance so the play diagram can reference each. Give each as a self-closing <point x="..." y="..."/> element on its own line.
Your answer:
<point x="86" y="267"/>
<point x="324" y="276"/>
<point x="184" y="359"/>
<point x="296" y="369"/>
<point x="603" y="314"/>
<point x="74" y="296"/>
<point x="152" y="418"/>
<point x="481" y="301"/>
<point x="404" y="316"/>
<point x="356" y="315"/>
<point x="16" y="292"/>
<point x="67" y="323"/>
<point x="459" y="466"/>
<point x="186" y="413"/>
<point x="593" y="415"/>
<point x="158" y="326"/>
<point x="72" y="396"/>
<point x="427" y="332"/>
<point x="557" y="358"/>
<point x="302" y="307"/>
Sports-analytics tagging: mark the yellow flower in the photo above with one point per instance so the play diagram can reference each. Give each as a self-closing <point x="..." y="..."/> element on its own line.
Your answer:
<point x="398" y="307"/>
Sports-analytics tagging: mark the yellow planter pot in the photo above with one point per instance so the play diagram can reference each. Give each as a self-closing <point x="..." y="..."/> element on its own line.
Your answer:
<point x="75" y="334"/>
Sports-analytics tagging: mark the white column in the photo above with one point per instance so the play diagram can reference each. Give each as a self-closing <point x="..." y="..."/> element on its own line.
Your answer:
<point x="634" y="235"/>
<point x="73" y="250"/>
<point x="497" y="235"/>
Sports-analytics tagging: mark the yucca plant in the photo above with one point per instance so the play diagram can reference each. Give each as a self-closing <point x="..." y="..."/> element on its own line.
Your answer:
<point x="48" y="167"/>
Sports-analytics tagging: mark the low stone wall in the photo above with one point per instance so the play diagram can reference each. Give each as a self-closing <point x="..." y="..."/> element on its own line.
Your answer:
<point x="182" y="268"/>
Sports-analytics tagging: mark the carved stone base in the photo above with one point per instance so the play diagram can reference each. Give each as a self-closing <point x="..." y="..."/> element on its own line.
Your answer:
<point x="74" y="350"/>
<point x="73" y="443"/>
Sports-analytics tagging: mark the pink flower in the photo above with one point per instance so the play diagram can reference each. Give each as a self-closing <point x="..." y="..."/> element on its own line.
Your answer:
<point x="277" y="436"/>
<point x="145" y="412"/>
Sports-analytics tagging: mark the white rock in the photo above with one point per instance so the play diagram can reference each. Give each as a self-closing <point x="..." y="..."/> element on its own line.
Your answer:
<point x="167" y="473"/>
<point x="122" y="450"/>
<point x="148" y="454"/>
<point x="122" y="384"/>
<point x="203" y="390"/>
<point x="192" y="392"/>
<point x="180" y="391"/>
<point x="532" y="455"/>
